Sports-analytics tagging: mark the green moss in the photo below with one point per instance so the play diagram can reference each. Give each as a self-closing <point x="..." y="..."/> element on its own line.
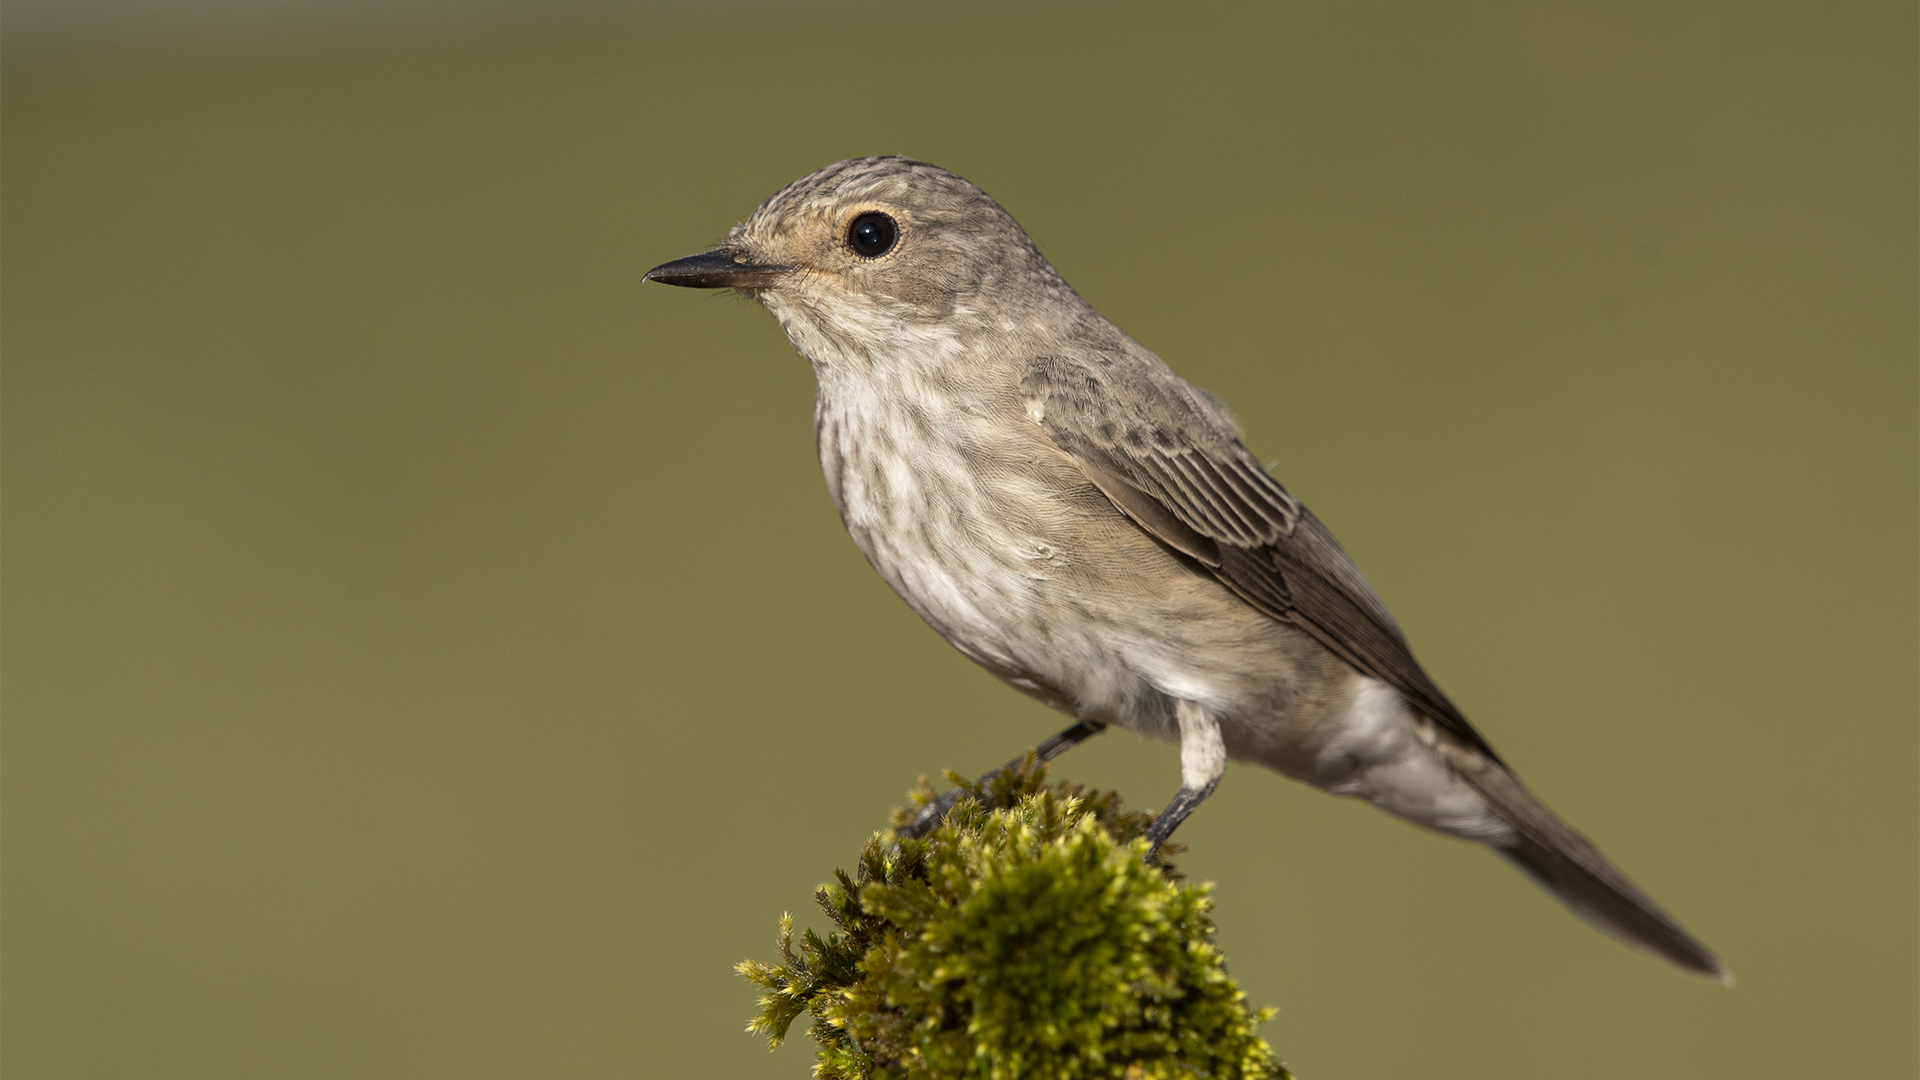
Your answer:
<point x="1028" y="936"/>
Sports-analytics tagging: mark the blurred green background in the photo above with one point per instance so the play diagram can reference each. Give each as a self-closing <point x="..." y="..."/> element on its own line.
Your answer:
<point x="428" y="653"/>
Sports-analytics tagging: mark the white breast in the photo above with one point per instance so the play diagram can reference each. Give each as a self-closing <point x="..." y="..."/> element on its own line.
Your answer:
<point x="899" y="462"/>
<point x="958" y="500"/>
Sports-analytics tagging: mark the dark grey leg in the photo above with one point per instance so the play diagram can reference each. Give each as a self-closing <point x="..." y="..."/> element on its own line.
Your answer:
<point x="1183" y="803"/>
<point x="934" y="812"/>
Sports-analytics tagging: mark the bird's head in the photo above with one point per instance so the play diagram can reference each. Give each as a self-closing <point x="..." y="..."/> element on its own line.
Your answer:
<point x="863" y="251"/>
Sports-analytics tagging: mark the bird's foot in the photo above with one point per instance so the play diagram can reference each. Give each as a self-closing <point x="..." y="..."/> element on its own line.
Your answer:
<point x="1182" y="804"/>
<point x="932" y="814"/>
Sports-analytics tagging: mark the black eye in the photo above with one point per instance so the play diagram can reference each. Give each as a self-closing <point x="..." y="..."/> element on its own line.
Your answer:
<point x="872" y="235"/>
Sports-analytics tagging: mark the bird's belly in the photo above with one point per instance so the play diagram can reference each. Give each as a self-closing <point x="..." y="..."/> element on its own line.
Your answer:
<point x="997" y="542"/>
<point x="965" y="552"/>
<point x="1003" y="546"/>
<point x="1024" y="566"/>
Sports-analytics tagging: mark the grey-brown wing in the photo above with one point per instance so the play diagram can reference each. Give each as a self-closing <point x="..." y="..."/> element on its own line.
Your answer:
<point x="1169" y="458"/>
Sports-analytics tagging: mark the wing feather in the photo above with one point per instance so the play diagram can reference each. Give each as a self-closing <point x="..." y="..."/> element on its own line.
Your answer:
<point x="1169" y="458"/>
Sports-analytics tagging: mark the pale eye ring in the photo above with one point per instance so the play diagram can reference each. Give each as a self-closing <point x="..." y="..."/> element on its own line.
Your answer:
<point x="872" y="235"/>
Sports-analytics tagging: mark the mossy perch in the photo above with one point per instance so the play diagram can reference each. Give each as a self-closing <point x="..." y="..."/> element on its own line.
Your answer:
<point x="1026" y="937"/>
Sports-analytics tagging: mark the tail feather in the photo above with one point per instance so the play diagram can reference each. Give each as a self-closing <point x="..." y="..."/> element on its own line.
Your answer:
<point x="1567" y="865"/>
<point x="1612" y="905"/>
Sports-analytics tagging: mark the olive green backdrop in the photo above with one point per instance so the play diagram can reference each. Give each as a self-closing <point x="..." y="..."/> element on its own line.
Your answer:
<point x="429" y="653"/>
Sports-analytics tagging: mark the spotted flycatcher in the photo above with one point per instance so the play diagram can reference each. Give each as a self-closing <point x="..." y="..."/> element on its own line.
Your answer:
<point x="1081" y="522"/>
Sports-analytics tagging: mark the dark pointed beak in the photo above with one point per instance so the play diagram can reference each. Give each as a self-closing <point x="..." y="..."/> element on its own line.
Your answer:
<point x="720" y="269"/>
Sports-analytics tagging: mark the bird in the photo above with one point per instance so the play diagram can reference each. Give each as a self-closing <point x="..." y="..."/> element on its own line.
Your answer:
<point x="1084" y="524"/>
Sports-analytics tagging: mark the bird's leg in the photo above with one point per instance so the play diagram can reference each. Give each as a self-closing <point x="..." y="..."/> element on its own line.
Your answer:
<point x="1203" y="757"/>
<point x="935" y="812"/>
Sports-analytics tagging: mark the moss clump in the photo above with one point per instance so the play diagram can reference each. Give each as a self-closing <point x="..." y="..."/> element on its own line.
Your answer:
<point x="1031" y="940"/>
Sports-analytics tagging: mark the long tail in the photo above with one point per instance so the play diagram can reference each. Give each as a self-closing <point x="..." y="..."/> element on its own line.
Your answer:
<point x="1572" y="869"/>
